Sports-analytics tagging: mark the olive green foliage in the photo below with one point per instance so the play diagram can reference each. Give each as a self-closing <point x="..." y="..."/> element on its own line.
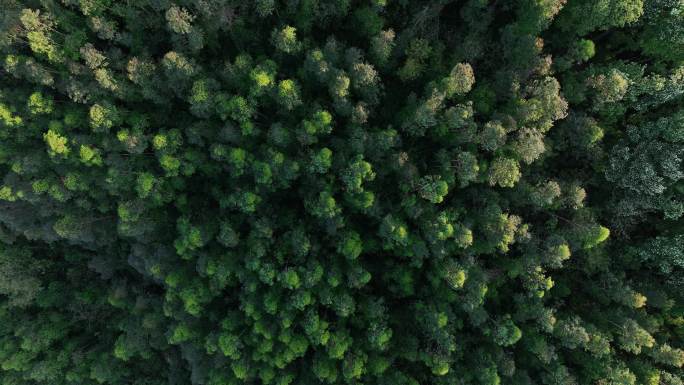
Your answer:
<point x="390" y="192"/>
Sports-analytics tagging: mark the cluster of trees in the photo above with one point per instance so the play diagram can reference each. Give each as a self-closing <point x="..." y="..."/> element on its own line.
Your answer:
<point x="389" y="192"/>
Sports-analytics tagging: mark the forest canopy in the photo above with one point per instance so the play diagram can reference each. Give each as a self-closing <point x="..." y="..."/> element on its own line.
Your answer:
<point x="390" y="192"/>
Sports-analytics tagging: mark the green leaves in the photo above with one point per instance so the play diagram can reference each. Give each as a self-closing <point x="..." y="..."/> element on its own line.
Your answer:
<point x="285" y="39"/>
<point x="350" y="246"/>
<point x="90" y="156"/>
<point x="460" y="80"/>
<point x="394" y="232"/>
<point x="103" y="117"/>
<point x="321" y="123"/>
<point x="586" y="16"/>
<point x="290" y="279"/>
<point x="179" y="19"/>
<point x="356" y="173"/>
<point x="234" y="107"/>
<point x="325" y="206"/>
<point x="229" y="345"/>
<point x="190" y="238"/>
<point x="57" y="144"/>
<point x="506" y="333"/>
<point x="595" y="235"/>
<point x="39" y="104"/>
<point x="433" y="189"/>
<point x="321" y="160"/>
<point x="315" y="191"/>
<point x="288" y="94"/>
<point x="503" y="172"/>
<point x="454" y="274"/>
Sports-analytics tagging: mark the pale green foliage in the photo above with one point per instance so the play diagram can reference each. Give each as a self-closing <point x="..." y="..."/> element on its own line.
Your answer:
<point x="321" y="160"/>
<point x="285" y="39"/>
<point x="633" y="337"/>
<point x="460" y="81"/>
<point x="288" y="94"/>
<point x="595" y="235"/>
<point x="433" y="189"/>
<point x="356" y="173"/>
<point x="39" y="104"/>
<point x="57" y="144"/>
<point x="103" y="117"/>
<point x="506" y="333"/>
<point x="504" y="172"/>
<point x="179" y="19"/>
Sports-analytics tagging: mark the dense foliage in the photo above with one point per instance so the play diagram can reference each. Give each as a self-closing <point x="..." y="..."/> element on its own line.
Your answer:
<point x="384" y="192"/>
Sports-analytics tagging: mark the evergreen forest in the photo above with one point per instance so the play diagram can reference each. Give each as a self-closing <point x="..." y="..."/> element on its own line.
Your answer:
<point x="358" y="192"/>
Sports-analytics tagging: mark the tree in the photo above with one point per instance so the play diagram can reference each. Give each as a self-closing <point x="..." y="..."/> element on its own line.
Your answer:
<point x="179" y="19"/>
<point x="285" y="39"/>
<point x="504" y="172"/>
<point x="602" y="15"/>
